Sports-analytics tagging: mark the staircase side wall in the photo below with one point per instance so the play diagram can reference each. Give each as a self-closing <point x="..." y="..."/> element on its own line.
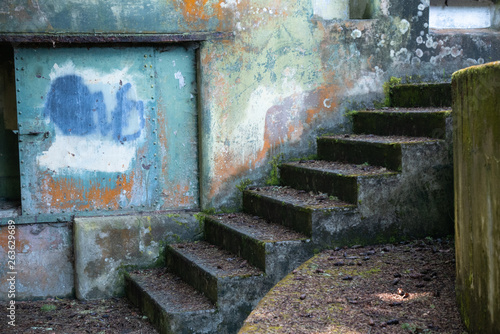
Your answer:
<point x="477" y="195"/>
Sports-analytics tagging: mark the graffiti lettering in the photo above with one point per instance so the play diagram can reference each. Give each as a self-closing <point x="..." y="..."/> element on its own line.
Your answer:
<point x="79" y="112"/>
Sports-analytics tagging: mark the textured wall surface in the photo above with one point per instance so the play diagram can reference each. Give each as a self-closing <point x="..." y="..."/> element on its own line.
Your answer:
<point x="106" y="129"/>
<point x="289" y="73"/>
<point x="115" y="16"/>
<point x="477" y="195"/>
<point x="43" y="261"/>
<point x="106" y="246"/>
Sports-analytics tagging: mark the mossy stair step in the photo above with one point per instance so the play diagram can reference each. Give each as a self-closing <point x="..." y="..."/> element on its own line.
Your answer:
<point x="290" y="207"/>
<point x="413" y="122"/>
<point x="333" y="178"/>
<point x="203" y="265"/>
<point x="384" y="151"/>
<point x="270" y="247"/>
<point x="170" y="304"/>
<point x="420" y="95"/>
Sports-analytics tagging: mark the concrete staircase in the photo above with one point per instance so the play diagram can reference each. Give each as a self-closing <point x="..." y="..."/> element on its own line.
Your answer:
<point x="389" y="180"/>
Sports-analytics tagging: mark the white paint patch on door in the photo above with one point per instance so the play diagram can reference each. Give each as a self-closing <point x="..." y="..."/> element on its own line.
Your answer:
<point x="178" y="75"/>
<point x="73" y="153"/>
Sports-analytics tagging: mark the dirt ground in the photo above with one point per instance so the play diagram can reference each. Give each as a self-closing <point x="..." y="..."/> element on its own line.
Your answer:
<point x="394" y="288"/>
<point x="114" y="315"/>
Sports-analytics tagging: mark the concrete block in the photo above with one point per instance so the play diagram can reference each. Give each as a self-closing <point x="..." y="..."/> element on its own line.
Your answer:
<point x="106" y="246"/>
<point x="43" y="261"/>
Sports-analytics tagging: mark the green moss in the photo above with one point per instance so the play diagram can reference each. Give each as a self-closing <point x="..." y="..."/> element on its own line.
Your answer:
<point x="273" y="178"/>
<point x="420" y="95"/>
<point x="200" y="218"/>
<point x="304" y="158"/>
<point x="393" y="81"/>
<point x="48" y="307"/>
<point x="243" y="185"/>
<point x="369" y="272"/>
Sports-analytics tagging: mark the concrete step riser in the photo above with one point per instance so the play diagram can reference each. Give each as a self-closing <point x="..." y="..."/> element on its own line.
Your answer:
<point x="192" y="273"/>
<point x="275" y="258"/>
<point x="283" y="257"/>
<point x="235" y="242"/>
<point x="359" y="152"/>
<point x="326" y="225"/>
<point x="343" y="187"/>
<point x="278" y="212"/>
<point x="421" y="95"/>
<point x="203" y="322"/>
<point x="238" y="296"/>
<point x="432" y="125"/>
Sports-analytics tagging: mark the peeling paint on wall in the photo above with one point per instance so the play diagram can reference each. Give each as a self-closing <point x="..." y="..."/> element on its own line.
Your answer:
<point x="289" y="74"/>
<point x="116" y="16"/>
<point x="94" y="124"/>
<point x="100" y="107"/>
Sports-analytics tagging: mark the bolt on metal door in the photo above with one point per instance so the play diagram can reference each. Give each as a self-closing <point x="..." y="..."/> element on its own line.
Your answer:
<point x="106" y="130"/>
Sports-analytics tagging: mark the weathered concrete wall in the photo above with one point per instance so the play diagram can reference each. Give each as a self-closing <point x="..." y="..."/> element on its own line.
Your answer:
<point x="290" y="75"/>
<point x="477" y="195"/>
<point x="86" y="259"/>
<point x="115" y="16"/>
<point x="105" y="246"/>
<point x="43" y="261"/>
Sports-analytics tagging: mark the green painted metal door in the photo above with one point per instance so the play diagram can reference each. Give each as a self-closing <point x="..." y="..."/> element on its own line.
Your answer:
<point x="106" y="129"/>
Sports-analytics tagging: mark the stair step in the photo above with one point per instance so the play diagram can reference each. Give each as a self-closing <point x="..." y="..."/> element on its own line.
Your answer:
<point x="290" y="207"/>
<point x="333" y="178"/>
<point x="374" y="150"/>
<point x="171" y="305"/>
<point x="201" y="265"/>
<point x="273" y="248"/>
<point x="420" y="95"/>
<point x="414" y="122"/>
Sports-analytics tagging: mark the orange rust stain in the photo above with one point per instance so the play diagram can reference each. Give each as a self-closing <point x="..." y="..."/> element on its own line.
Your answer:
<point x="194" y="12"/>
<point x="369" y="62"/>
<point x="176" y="196"/>
<point x="311" y="114"/>
<point x="4" y="240"/>
<point x="226" y="166"/>
<point x="66" y="194"/>
<point x="326" y="95"/>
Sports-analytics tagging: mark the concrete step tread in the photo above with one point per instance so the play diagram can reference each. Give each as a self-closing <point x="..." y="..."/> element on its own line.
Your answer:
<point x="171" y="293"/>
<point x="339" y="168"/>
<point x="300" y="198"/>
<point x="420" y="110"/>
<point x="388" y="140"/>
<point x="258" y="228"/>
<point x="214" y="260"/>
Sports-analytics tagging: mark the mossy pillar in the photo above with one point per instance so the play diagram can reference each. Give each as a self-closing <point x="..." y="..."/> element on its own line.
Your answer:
<point x="476" y="117"/>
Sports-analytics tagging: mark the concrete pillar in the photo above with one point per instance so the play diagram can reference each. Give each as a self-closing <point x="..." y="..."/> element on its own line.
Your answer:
<point x="476" y="117"/>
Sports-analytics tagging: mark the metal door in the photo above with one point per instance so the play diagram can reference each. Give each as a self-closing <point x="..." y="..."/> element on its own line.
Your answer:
<point x="106" y="129"/>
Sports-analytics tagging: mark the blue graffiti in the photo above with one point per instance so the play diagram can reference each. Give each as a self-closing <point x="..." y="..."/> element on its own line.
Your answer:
<point x="79" y="112"/>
